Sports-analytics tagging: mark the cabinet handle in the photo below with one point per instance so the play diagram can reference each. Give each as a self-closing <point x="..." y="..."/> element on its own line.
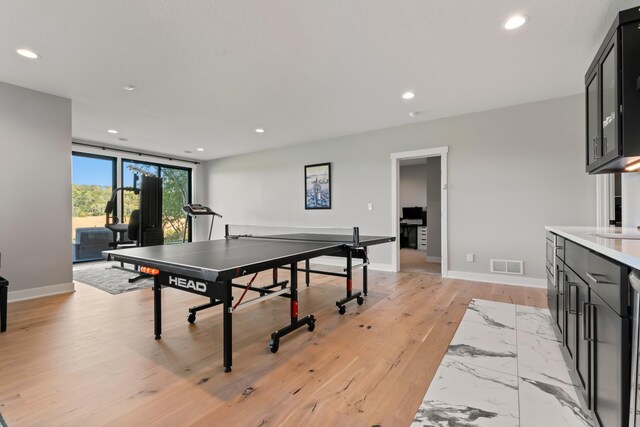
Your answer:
<point x="586" y="324"/>
<point x="592" y="276"/>
<point x="571" y="285"/>
<point x="596" y="153"/>
<point x="558" y="247"/>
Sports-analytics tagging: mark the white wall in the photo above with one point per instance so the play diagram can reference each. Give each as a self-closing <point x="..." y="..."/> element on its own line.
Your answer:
<point x="413" y="186"/>
<point x="35" y="189"/>
<point x="434" y="208"/>
<point x="511" y="172"/>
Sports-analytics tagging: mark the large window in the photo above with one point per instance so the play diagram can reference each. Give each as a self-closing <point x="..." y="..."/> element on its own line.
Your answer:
<point x="176" y="192"/>
<point x="93" y="180"/>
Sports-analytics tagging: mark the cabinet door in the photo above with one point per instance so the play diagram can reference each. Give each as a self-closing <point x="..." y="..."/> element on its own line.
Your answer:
<point x="560" y="267"/>
<point x="609" y="103"/>
<point x="570" y="312"/>
<point x="552" y="297"/>
<point x="594" y="151"/>
<point x="583" y="349"/>
<point x="610" y="369"/>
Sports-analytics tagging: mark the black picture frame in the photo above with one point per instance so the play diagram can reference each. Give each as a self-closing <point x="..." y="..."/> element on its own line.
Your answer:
<point x="317" y="186"/>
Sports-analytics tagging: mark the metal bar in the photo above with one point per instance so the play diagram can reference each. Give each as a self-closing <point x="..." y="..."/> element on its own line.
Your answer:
<point x="353" y="267"/>
<point x="227" y="343"/>
<point x="327" y="273"/>
<point x="3" y="304"/>
<point x="213" y="217"/>
<point x="306" y="270"/>
<point x="294" y="293"/>
<point x="365" y="273"/>
<point x="349" y="273"/>
<point x="272" y="294"/>
<point x="210" y="304"/>
<point x="157" y="307"/>
<point x="105" y="148"/>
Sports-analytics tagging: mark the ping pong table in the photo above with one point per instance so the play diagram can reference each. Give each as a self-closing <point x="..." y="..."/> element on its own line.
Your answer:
<point x="208" y="268"/>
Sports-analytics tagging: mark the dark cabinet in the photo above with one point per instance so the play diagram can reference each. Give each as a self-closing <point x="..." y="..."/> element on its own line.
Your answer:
<point x="602" y="110"/>
<point x="610" y="370"/>
<point x="560" y="287"/>
<point x="611" y="86"/>
<point x="572" y="281"/>
<point x="588" y="297"/>
<point x="583" y="345"/>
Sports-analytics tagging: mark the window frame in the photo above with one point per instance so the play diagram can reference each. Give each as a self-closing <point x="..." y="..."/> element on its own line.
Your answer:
<point x="160" y="166"/>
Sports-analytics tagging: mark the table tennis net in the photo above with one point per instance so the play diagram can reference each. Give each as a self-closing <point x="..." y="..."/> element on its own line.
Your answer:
<point x="308" y="234"/>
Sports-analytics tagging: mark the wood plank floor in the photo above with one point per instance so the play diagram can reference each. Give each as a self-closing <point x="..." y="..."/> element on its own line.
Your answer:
<point x="89" y="358"/>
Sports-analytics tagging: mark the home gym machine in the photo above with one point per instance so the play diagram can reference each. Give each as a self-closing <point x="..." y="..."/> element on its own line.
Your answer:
<point x="192" y="211"/>
<point x="145" y="223"/>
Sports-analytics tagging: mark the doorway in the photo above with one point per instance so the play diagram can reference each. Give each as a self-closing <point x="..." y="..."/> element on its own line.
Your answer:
<point x="419" y="211"/>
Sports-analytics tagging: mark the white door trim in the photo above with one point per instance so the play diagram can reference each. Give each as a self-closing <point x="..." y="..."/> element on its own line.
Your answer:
<point x="395" y="214"/>
<point x="604" y="199"/>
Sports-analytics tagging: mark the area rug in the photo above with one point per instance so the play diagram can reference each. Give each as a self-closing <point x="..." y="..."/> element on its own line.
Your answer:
<point x="108" y="279"/>
<point x="504" y="367"/>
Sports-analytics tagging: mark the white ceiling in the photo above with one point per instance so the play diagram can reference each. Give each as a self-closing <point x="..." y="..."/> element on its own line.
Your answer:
<point x="209" y="72"/>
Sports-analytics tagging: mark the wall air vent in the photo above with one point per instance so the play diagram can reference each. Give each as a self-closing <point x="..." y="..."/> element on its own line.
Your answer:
<point x="505" y="266"/>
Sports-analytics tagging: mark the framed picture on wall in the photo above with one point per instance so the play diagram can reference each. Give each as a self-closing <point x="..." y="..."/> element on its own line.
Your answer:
<point x="317" y="186"/>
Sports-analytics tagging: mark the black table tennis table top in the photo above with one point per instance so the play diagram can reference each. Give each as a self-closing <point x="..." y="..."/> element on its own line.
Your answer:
<point x="233" y="257"/>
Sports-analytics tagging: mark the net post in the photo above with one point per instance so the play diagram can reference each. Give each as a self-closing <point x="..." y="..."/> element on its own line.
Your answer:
<point x="356" y="236"/>
<point x="226" y="231"/>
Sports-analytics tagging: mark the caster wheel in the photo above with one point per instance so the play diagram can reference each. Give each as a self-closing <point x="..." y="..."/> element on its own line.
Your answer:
<point x="360" y="300"/>
<point x="191" y="318"/>
<point x="311" y="326"/>
<point x="342" y="309"/>
<point x="274" y="345"/>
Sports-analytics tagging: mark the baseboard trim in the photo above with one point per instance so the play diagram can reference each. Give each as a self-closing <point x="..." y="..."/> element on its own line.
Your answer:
<point x="435" y="259"/>
<point x="530" y="282"/>
<point x="380" y="267"/>
<point x="44" y="291"/>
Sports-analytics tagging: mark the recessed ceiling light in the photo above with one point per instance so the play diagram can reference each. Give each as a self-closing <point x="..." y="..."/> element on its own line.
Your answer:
<point x="414" y="114"/>
<point x="259" y="130"/>
<point x="129" y="87"/>
<point x="408" y="95"/>
<point x="27" y="53"/>
<point x="112" y="131"/>
<point x="514" y="22"/>
<point x="199" y="149"/>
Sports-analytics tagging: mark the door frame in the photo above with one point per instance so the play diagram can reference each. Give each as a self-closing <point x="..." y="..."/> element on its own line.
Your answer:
<point x="395" y="194"/>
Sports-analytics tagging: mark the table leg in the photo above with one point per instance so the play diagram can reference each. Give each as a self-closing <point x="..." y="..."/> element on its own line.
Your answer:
<point x="4" y="292"/>
<point x="227" y="327"/>
<point x="157" y="307"/>
<point x="365" y="275"/>
<point x="307" y="268"/>
<point x="342" y="309"/>
<point x="349" y="273"/>
<point x="294" y="323"/>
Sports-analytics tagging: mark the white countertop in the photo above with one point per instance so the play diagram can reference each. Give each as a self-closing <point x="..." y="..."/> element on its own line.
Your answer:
<point x="625" y="251"/>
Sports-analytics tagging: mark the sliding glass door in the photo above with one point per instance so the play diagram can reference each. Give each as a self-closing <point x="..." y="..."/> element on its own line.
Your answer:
<point x="176" y="192"/>
<point x="93" y="180"/>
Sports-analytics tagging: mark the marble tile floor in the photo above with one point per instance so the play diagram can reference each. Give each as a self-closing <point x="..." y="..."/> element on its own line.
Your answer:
<point x="504" y="367"/>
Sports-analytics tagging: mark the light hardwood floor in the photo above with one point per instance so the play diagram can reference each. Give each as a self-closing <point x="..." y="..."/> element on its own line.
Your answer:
<point x="413" y="261"/>
<point x="89" y="358"/>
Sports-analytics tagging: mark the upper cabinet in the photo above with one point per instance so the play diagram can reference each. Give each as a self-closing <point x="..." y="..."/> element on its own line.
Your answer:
<point x="612" y="86"/>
